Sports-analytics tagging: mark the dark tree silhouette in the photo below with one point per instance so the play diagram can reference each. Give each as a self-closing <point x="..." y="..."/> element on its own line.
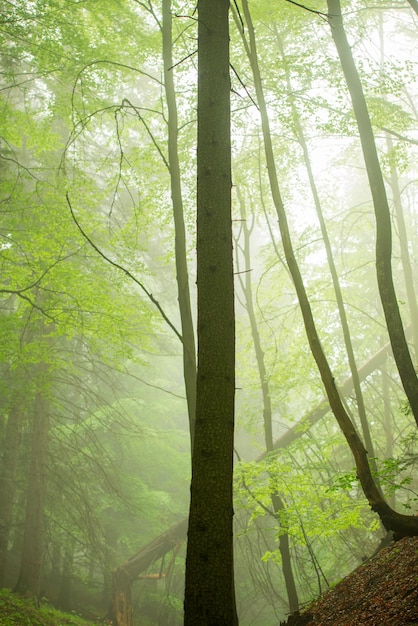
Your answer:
<point x="209" y="594"/>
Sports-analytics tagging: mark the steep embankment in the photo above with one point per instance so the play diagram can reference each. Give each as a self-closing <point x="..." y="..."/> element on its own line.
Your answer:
<point x="383" y="591"/>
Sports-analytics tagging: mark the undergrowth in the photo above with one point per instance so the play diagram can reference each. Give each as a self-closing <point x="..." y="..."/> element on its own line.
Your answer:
<point x="17" y="611"/>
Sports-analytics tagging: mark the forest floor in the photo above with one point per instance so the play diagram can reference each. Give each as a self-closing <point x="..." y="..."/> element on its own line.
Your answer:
<point x="383" y="591"/>
<point x="15" y="611"/>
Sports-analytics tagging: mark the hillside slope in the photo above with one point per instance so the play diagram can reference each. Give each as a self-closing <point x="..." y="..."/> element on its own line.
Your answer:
<point x="15" y="611"/>
<point x="381" y="592"/>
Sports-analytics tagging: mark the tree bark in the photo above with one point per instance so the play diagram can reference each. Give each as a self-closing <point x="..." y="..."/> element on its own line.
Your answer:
<point x="209" y="593"/>
<point x="381" y="207"/>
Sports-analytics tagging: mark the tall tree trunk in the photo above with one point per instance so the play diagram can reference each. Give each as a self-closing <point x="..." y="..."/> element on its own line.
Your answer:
<point x="392" y="520"/>
<point x="187" y="330"/>
<point x="300" y="136"/>
<point x="381" y="207"/>
<point x="33" y="535"/>
<point x="209" y="593"/>
<point x="11" y="447"/>
<point x="277" y="502"/>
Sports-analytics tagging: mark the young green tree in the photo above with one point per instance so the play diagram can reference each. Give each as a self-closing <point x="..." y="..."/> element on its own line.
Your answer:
<point x="182" y="274"/>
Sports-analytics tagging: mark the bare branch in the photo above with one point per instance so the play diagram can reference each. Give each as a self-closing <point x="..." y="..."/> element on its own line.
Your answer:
<point x="302" y="6"/>
<point x="399" y="136"/>
<point x="123" y="269"/>
<point x="244" y="87"/>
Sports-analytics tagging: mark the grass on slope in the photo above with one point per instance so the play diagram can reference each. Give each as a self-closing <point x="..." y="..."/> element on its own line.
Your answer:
<point x="16" y="611"/>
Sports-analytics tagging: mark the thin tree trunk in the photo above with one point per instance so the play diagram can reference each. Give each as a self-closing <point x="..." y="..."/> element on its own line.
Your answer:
<point x="209" y="593"/>
<point x="11" y="447"/>
<point x="381" y="207"/>
<point x="392" y="520"/>
<point x="122" y="578"/>
<point x="387" y="425"/>
<point x="276" y="500"/>
<point x="33" y="535"/>
<point x="403" y="242"/>
<point x="300" y="136"/>
<point x="187" y="331"/>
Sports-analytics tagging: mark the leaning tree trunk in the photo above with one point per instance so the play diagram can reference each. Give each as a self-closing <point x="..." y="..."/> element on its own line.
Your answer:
<point x="414" y="5"/>
<point x="209" y="593"/>
<point x="300" y="137"/>
<point x="120" y="611"/>
<point x="392" y="520"/>
<point x="377" y="361"/>
<point x="381" y="207"/>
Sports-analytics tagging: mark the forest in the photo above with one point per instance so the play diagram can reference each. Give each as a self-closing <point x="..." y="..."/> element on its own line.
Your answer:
<point x="208" y="302"/>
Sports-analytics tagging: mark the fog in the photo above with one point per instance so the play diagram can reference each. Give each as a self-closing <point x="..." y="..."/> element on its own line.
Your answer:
<point x="98" y="260"/>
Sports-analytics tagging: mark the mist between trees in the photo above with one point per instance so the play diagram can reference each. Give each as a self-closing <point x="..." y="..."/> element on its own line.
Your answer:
<point x="209" y="254"/>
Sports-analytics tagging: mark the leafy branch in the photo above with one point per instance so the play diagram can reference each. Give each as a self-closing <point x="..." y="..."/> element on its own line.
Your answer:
<point x="36" y="283"/>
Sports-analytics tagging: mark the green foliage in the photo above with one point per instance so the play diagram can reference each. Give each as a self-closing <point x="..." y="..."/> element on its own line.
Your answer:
<point x="395" y="475"/>
<point x="16" y="611"/>
<point x="82" y="111"/>
<point x="345" y="482"/>
<point x="312" y="507"/>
